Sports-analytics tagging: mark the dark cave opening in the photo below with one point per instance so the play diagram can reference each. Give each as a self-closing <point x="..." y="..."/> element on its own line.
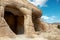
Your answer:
<point x="16" y="26"/>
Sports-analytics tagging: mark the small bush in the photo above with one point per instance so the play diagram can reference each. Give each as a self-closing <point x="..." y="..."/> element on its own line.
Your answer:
<point x="58" y="26"/>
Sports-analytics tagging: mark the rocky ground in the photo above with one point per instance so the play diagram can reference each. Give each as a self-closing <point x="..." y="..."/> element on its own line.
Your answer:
<point x="52" y="33"/>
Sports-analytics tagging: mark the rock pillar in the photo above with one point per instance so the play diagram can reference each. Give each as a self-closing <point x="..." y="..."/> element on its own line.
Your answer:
<point x="28" y="24"/>
<point x="1" y="11"/>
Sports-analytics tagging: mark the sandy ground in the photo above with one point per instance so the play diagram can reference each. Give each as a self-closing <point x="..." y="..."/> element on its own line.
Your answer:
<point x="53" y="33"/>
<point x="22" y="37"/>
<point x="42" y="36"/>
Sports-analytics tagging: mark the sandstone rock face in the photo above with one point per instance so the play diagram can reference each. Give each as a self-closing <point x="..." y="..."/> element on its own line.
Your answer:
<point x="4" y="29"/>
<point x="19" y="17"/>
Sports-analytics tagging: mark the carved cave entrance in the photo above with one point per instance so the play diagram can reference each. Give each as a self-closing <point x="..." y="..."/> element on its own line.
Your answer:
<point x="15" y="22"/>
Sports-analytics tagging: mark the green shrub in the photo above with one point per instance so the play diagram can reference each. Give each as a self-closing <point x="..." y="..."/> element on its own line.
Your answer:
<point x="58" y="26"/>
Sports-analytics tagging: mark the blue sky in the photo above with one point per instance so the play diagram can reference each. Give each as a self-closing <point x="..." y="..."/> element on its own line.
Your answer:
<point x="50" y="9"/>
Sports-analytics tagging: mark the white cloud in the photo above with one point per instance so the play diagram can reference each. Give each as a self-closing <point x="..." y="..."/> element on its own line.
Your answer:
<point x="48" y="19"/>
<point x="45" y="17"/>
<point x="42" y="3"/>
<point x="53" y="17"/>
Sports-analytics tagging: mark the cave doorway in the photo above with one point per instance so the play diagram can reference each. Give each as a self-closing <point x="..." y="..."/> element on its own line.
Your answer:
<point x="15" y="23"/>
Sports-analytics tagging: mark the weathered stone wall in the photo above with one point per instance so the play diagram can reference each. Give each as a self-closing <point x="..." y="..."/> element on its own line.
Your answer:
<point x="4" y="29"/>
<point x="20" y="8"/>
